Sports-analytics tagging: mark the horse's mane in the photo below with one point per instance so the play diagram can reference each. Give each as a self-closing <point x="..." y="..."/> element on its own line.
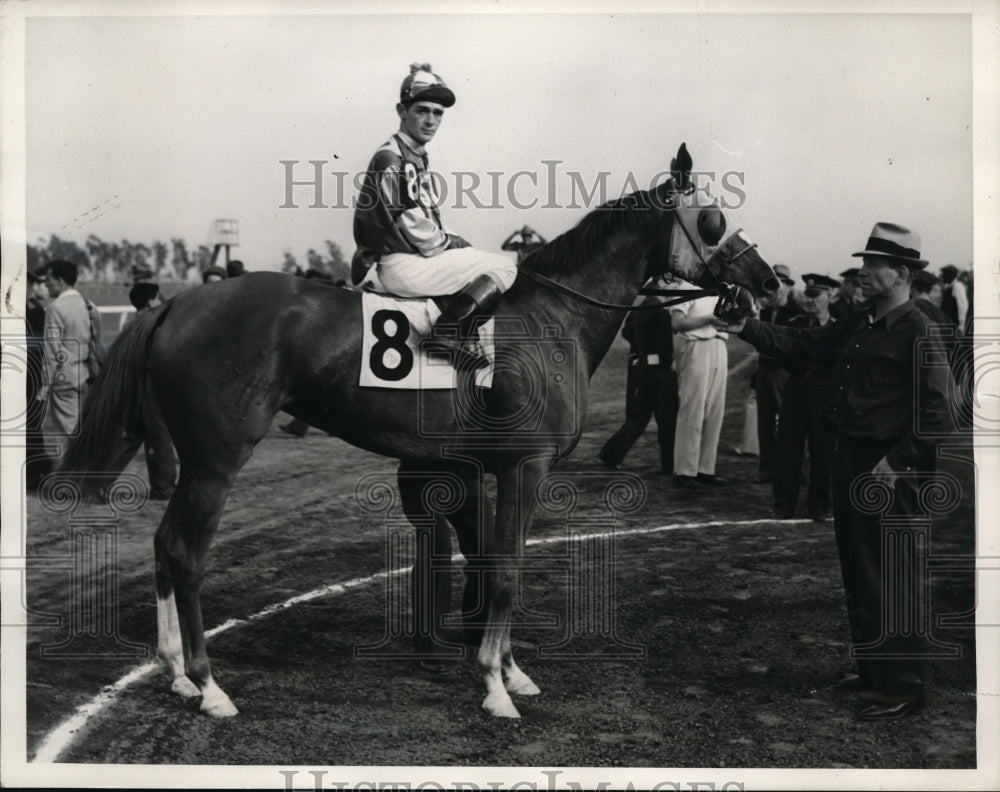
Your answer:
<point x="611" y="219"/>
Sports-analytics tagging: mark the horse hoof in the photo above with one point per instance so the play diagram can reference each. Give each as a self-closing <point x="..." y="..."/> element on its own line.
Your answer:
<point x="184" y="687"/>
<point x="219" y="707"/>
<point x="501" y="708"/>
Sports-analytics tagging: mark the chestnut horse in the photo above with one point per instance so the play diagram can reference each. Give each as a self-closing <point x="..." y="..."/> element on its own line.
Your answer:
<point x="224" y="358"/>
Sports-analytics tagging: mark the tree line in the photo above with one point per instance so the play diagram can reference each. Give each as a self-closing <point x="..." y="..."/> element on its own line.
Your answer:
<point x="111" y="262"/>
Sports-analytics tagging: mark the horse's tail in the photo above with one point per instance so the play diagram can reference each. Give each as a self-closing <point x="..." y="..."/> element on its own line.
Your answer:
<point x="111" y="418"/>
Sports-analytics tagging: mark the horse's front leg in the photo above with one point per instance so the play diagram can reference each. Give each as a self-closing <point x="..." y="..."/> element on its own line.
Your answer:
<point x="515" y="502"/>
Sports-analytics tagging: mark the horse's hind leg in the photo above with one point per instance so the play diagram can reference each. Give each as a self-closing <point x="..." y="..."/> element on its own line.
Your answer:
<point x="181" y="544"/>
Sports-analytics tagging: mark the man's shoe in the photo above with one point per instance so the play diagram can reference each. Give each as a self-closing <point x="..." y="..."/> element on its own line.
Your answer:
<point x="880" y="711"/>
<point x="709" y="478"/>
<point x="688" y="482"/>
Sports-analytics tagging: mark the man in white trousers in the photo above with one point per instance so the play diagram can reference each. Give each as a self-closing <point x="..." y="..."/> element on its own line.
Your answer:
<point x="701" y="361"/>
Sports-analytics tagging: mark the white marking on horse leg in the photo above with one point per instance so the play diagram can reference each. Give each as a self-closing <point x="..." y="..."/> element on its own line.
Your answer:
<point x="497" y="701"/>
<point x="170" y="646"/>
<point x="216" y="703"/>
<point x="517" y="681"/>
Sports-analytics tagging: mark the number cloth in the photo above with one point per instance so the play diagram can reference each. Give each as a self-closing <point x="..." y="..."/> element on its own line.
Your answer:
<point x="390" y="347"/>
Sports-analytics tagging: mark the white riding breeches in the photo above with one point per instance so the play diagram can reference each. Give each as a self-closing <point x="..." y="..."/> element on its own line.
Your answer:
<point x="412" y="275"/>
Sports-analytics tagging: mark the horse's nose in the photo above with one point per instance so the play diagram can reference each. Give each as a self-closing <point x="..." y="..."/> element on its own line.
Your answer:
<point x="771" y="286"/>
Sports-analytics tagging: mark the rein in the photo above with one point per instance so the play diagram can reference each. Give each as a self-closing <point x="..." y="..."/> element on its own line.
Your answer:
<point x="688" y="294"/>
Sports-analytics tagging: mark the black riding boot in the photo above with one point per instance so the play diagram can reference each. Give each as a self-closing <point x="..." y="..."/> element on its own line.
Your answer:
<point x="457" y="323"/>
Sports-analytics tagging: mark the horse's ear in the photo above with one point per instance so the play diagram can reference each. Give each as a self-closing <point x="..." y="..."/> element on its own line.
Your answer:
<point x="680" y="168"/>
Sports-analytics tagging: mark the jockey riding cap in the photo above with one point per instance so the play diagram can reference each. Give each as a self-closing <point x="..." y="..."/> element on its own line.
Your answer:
<point x="423" y="85"/>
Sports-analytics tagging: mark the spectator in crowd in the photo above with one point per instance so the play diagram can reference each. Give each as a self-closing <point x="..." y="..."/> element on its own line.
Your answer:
<point x="801" y="422"/>
<point x="771" y="377"/>
<point x="848" y="299"/>
<point x="955" y="297"/>
<point x="213" y="275"/>
<point x="700" y="359"/>
<point x="886" y="413"/>
<point x="36" y="462"/>
<point x="925" y="288"/>
<point x="66" y="350"/>
<point x="651" y="385"/>
<point x="524" y="240"/>
<point x="235" y="268"/>
<point x="967" y="277"/>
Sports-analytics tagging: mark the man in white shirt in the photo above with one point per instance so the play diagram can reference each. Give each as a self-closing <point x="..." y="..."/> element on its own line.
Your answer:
<point x="700" y="359"/>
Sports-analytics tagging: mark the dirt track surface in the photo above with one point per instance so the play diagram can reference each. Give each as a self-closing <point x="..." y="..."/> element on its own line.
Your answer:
<point x="729" y="638"/>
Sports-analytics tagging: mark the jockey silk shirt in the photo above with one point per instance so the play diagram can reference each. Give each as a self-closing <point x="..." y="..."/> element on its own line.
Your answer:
<point x="890" y="378"/>
<point x="397" y="208"/>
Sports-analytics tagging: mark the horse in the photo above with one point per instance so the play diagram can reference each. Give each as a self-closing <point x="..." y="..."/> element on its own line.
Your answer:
<point x="223" y="359"/>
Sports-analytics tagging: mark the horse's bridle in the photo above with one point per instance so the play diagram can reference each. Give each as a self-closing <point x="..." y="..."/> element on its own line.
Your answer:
<point x="716" y="264"/>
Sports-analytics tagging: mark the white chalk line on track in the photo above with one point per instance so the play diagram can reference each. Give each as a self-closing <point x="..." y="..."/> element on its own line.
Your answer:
<point x="62" y="736"/>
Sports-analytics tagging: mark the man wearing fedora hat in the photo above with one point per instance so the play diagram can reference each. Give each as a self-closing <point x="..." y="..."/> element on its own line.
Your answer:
<point x="886" y="412"/>
<point x="398" y="228"/>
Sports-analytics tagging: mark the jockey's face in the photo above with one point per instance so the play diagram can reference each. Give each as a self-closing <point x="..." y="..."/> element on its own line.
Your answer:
<point x="420" y="120"/>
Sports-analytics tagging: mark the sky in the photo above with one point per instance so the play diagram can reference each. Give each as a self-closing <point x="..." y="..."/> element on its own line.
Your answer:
<point x="812" y="127"/>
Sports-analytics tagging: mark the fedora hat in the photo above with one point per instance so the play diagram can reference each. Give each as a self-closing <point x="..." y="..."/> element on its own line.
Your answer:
<point x="895" y="242"/>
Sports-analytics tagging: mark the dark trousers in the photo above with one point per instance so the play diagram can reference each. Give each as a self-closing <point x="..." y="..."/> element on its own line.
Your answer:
<point x="800" y="424"/>
<point x="889" y="658"/>
<point x="770" y="387"/>
<point x="650" y="391"/>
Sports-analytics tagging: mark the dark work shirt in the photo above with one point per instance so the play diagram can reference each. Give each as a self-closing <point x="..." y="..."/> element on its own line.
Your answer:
<point x="890" y="378"/>
<point x="813" y="367"/>
<point x="782" y="315"/>
<point x="650" y="333"/>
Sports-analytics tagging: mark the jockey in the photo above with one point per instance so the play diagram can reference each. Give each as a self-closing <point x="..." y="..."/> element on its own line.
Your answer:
<point x="398" y="227"/>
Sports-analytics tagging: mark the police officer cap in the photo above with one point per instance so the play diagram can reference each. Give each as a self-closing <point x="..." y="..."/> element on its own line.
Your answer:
<point x="816" y="284"/>
<point x="853" y="272"/>
<point x="423" y="85"/>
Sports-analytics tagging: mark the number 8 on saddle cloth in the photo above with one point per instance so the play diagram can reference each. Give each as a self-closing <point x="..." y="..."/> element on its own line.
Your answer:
<point x="390" y="350"/>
